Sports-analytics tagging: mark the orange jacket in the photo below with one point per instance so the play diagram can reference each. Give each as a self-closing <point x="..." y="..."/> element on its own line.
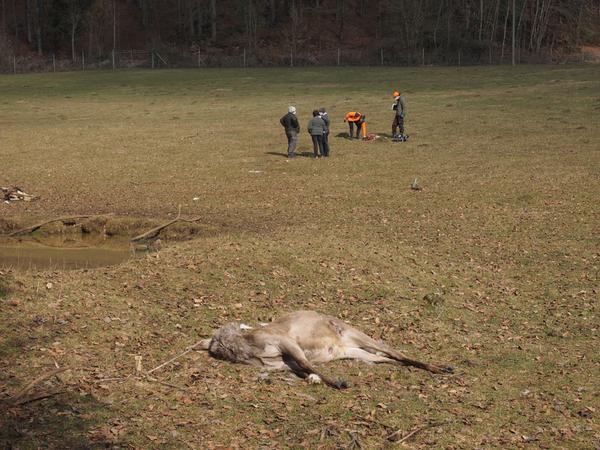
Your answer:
<point x="353" y="116"/>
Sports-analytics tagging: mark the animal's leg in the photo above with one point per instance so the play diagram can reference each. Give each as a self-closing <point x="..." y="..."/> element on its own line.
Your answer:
<point x="355" y="338"/>
<point x="299" y="364"/>
<point x="365" y="356"/>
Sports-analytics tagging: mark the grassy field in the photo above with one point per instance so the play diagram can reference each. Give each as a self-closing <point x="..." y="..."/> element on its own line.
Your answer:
<point x="506" y="230"/>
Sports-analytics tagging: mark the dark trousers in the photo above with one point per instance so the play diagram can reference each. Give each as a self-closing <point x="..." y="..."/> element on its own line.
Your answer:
<point x="326" y="144"/>
<point x="358" y="125"/>
<point x="317" y="144"/>
<point x="292" y="138"/>
<point x="398" y="123"/>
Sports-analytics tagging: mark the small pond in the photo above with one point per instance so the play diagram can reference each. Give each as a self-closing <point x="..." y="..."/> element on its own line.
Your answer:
<point x="63" y="252"/>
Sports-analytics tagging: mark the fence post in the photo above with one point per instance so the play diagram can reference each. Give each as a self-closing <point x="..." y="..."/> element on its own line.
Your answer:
<point x="423" y="55"/>
<point x="53" y="62"/>
<point x="152" y="55"/>
<point x="113" y="58"/>
<point x="244" y="57"/>
<point x="490" y="48"/>
<point x="82" y="60"/>
<point x="198" y="59"/>
<point x="338" y="57"/>
<point x="381" y="53"/>
<point x="292" y="57"/>
<point x="15" y="64"/>
<point x="459" y="57"/>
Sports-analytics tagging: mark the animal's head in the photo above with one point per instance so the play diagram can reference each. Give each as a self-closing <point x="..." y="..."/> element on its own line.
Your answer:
<point x="228" y="343"/>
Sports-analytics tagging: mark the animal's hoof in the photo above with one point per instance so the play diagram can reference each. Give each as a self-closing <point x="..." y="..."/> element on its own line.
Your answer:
<point x="313" y="378"/>
<point x="341" y="384"/>
<point x="448" y="369"/>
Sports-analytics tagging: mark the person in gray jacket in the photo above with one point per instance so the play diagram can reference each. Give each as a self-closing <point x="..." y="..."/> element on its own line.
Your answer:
<point x="292" y="128"/>
<point x="323" y="114"/>
<point x="316" y="128"/>
<point x="399" y="107"/>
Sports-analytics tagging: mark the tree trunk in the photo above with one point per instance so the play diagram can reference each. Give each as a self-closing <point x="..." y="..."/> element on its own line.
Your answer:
<point x="449" y="18"/>
<point x="73" y="29"/>
<point x="213" y="21"/>
<point x="514" y="22"/>
<point x="544" y="20"/>
<point x="192" y="16"/>
<point x="273" y="12"/>
<point x="504" y="32"/>
<point x="4" y="16"/>
<point x="578" y="28"/>
<point x="38" y="28"/>
<point x="493" y="33"/>
<point x="437" y="24"/>
<point x="114" y="25"/>
<point x="250" y="25"/>
<point x="28" y="20"/>
<point x="339" y="17"/>
<point x="480" y="19"/>
<point x="534" y="24"/>
<point x="378" y="23"/>
<point x="15" y="20"/>
<point x="294" y="19"/>
<point x="521" y="16"/>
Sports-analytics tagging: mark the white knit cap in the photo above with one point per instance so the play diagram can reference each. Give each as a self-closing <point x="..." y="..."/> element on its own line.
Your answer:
<point x="292" y="109"/>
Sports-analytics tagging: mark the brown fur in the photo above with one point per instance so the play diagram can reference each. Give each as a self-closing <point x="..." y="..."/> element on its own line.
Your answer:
<point x="298" y="340"/>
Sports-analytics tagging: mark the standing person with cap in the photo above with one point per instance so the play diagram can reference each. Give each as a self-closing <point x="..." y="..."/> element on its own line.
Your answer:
<point x="292" y="128"/>
<point x="399" y="106"/>
<point x="323" y="114"/>
<point x="316" y="128"/>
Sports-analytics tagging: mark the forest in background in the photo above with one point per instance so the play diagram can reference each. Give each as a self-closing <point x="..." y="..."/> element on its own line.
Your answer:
<point x="481" y="30"/>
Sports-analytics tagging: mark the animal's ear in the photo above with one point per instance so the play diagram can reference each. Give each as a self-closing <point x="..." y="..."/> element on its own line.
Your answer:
<point x="205" y="344"/>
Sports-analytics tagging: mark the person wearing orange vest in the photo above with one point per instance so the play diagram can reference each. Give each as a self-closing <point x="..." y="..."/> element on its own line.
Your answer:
<point x="358" y="119"/>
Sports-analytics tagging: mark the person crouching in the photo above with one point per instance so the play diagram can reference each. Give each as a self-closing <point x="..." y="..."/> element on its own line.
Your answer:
<point x="355" y="118"/>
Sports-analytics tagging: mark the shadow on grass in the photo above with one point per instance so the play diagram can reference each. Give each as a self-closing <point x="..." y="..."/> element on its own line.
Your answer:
<point x="344" y="136"/>
<point x="51" y="414"/>
<point x="298" y="154"/>
<point x="64" y="421"/>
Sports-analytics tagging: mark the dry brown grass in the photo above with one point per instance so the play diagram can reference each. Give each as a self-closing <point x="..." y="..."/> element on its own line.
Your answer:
<point x="506" y="229"/>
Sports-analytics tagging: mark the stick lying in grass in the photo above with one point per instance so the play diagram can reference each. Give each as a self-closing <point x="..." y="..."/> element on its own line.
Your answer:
<point x="154" y="231"/>
<point x="394" y="437"/>
<point x="189" y="349"/>
<point x="18" y="397"/>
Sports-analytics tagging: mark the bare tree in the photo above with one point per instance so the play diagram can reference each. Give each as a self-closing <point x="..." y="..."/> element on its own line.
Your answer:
<point x="38" y="25"/>
<point x="505" y="26"/>
<point x="4" y="16"/>
<point x="28" y="20"/>
<point x="213" y="21"/>
<point x="75" y="16"/>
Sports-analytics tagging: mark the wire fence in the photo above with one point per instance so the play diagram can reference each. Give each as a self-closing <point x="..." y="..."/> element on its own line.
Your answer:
<point x="242" y="58"/>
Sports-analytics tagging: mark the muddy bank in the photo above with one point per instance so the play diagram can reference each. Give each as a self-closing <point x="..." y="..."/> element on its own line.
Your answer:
<point x="122" y="228"/>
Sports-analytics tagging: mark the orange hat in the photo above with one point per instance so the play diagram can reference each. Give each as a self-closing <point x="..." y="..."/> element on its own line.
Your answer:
<point x="395" y="94"/>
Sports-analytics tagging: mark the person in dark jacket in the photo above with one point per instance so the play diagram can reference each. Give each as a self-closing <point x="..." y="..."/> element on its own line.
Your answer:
<point x="399" y="107"/>
<point x="323" y="114"/>
<point x="292" y="128"/>
<point x="316" y="128"/>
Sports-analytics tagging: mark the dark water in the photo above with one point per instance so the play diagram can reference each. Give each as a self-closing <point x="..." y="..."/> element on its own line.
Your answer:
<point x="63" y="253"/>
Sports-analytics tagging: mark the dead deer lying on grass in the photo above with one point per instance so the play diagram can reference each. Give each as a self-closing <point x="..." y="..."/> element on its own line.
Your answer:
<point x="300" y="339"/>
